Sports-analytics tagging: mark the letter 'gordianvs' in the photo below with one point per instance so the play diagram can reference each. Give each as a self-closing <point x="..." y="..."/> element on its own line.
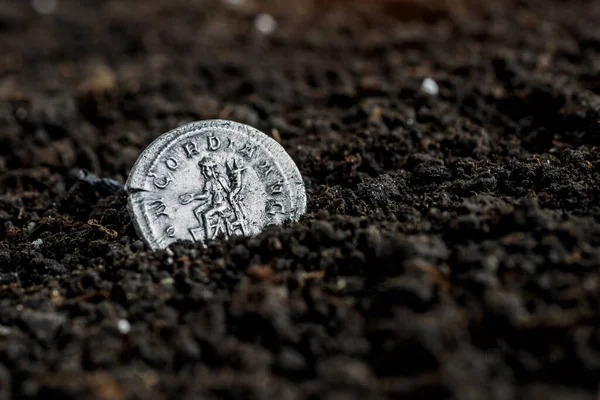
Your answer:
<point x="211" y="179"/>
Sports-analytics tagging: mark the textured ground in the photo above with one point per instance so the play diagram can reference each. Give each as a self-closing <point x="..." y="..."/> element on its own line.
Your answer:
<point x="450" y="249"/>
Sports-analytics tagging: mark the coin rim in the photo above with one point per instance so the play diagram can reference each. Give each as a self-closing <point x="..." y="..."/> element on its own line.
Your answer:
<point x="138" y="174"/>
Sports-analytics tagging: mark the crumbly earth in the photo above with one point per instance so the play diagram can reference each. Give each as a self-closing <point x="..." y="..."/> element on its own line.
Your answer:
<point x="450" y="250"/>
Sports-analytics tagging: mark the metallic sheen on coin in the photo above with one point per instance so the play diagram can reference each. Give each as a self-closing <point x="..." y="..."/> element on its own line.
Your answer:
<point x="212" y="179"/>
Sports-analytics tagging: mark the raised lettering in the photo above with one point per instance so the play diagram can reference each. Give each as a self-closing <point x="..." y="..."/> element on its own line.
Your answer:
<point x="276" y="208"/>
<point x="159" y="208"/>
<point x="170" y="231"/>
<point x="266" y="168"/>
<point x="160" y="182"/>
<point x="276" y="188"/>
<point x="190" y="149"/>
<point x="213" y="143"/>
<point x="248" y="150"/>
<point x="172" y="163"/>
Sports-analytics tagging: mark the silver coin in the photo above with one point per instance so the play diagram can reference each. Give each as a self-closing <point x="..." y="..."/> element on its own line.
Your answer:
<point x="212" y="179"/>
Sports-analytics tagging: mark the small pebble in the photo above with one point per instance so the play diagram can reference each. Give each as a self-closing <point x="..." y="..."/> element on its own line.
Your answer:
<point x="43" y="325"/>
<point x="37" y="243"/>
<point x="265" y="23"/>
<point x="21" y="113"/>
<point x="430" y="86"/>
<point x="124" y="326"/>
<point x="168" y="281"/>
<point x="44" y="6"/>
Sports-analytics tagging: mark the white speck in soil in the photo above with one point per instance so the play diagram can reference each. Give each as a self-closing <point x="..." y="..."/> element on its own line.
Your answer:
<point x="37" y="242"/>
<point x="265" y="23"/>
<point x="124" y="326"/>
<point x="430" y="86"/>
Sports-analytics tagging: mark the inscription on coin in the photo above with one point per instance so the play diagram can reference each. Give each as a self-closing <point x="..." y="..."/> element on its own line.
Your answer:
<point x="212" y="179"/>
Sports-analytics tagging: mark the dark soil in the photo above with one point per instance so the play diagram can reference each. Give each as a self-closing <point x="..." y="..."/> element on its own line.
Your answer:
<point x="450" y="249"/>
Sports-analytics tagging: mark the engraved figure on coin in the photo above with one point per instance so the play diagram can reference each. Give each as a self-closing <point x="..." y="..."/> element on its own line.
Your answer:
<point x="220" y="212"/>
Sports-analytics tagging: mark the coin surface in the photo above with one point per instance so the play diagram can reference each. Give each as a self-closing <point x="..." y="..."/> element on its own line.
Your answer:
<point x="212" y="179"/>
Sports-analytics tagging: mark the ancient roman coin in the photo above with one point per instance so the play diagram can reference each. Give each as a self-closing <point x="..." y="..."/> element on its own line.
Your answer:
<point x="212" y="179"/>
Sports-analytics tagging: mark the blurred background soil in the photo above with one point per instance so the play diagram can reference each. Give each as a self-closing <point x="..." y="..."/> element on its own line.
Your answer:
<point x="450" y="250"/>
